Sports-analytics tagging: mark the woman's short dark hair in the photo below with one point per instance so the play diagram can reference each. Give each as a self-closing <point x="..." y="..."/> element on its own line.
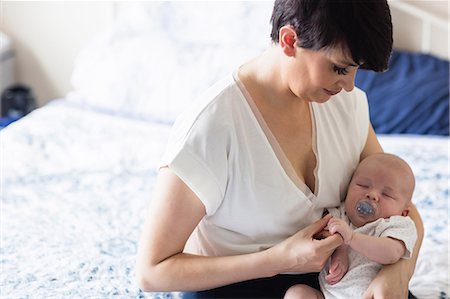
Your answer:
<point x="364" y="27"/>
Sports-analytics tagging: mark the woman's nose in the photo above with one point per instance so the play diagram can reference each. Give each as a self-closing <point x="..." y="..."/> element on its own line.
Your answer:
<point x="347" y="82"/>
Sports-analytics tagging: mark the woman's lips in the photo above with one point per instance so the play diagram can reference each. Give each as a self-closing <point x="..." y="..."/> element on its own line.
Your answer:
<point x="330" y="92"/>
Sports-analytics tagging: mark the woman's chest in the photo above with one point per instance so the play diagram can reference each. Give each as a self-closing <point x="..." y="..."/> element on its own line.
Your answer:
<point x="294" y="141"/>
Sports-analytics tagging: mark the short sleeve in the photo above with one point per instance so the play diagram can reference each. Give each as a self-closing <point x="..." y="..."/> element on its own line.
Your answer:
<point x="362" y="119"/>
<point x="197" y="152"/>
<point x="400" y="228"/>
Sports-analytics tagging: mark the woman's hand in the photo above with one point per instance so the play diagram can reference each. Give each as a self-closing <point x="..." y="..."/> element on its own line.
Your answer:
<point x="302" y="252"/>
<point x="389" y="283"/>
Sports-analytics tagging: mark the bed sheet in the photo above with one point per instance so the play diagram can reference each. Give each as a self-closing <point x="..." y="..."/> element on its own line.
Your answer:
<point x="76" y="184"/>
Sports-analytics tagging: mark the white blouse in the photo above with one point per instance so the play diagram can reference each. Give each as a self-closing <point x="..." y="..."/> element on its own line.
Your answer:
<point x="224" y="151"/>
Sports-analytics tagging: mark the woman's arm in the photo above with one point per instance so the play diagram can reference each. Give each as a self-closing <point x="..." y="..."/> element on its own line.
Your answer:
<point x="175" y="212"/>
<point x="161" y="264"/>
<point x="392" y="281"/>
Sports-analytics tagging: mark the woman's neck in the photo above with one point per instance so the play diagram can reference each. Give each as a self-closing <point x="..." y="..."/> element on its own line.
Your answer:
<point x="263" y="77"/>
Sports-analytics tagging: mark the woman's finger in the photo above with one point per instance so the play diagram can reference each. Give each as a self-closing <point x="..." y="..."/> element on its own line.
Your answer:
<point x="331" y="243"/>
<point x="322" y="234"/>
<point x="317" y="226"/>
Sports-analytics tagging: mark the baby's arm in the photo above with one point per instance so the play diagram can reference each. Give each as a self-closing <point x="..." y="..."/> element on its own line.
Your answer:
<point x="383" y="250"/>
<point x="338" y="266"/>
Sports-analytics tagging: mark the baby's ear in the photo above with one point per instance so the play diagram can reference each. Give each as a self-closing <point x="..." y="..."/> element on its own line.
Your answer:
<point x="406" y="212"/>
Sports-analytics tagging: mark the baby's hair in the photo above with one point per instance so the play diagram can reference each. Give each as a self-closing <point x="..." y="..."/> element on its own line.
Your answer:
<point x="396" y="162"/>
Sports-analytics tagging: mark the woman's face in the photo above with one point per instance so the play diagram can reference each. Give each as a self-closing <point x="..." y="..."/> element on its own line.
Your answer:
<point x="316" y="76"/>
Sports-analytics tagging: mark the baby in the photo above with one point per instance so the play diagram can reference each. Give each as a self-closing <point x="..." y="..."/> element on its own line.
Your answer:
<point x="374" y="225"/>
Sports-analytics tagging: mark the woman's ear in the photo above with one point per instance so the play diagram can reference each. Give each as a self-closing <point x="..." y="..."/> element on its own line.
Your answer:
<point x="288" y="40"/>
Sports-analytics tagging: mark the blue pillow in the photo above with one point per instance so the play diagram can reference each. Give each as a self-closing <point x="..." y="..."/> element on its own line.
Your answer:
<point x="412" y="97"/>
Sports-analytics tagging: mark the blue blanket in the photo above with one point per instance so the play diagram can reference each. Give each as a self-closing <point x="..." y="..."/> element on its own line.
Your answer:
<point x="412" y="97"/>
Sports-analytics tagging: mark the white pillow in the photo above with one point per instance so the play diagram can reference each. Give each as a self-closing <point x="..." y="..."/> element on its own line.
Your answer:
<point x="160" y="56"/>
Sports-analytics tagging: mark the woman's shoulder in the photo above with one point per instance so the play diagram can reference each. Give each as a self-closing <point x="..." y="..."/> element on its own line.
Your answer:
<point x="218" y="96"/>
<point x="211" y="111"/>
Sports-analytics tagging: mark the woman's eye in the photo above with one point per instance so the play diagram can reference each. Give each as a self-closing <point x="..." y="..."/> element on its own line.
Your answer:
<point x="340" y="70"/>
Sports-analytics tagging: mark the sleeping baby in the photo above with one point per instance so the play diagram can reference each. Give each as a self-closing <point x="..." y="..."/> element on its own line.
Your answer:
<point x="374" y="223"/>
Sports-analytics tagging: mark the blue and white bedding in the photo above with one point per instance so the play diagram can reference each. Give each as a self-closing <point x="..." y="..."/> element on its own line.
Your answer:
<point x="76" y="184"/>
<point x="75" y="187"/>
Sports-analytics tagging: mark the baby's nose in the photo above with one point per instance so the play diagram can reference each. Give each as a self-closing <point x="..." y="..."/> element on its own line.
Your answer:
<point x="372" y="195"/>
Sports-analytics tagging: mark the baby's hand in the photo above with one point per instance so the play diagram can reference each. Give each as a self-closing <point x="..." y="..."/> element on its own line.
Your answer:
<point x="338" y="267"/>
<point x="336" y="225"/>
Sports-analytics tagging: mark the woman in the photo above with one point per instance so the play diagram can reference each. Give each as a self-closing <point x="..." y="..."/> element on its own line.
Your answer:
<point x="251" y="166"/>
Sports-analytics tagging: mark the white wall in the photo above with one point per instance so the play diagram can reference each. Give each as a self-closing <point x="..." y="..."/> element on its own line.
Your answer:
<point x="47" y="36"/>
<point x="408" y="29"/>
<point x="437" y="7"/>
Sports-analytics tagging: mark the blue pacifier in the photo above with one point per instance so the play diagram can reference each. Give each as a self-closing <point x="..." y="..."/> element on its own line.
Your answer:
<point x="365" y="208"/>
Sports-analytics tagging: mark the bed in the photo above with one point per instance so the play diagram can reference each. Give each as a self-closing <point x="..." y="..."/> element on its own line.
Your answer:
<point x="77" y="174"/>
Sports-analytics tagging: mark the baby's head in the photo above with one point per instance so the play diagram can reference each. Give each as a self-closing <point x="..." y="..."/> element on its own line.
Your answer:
<point x="382" y="186"/>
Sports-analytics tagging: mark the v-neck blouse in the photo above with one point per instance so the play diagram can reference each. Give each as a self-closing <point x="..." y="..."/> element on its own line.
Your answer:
<point x="223" y="150"/>
<point x="276" y="147"/>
